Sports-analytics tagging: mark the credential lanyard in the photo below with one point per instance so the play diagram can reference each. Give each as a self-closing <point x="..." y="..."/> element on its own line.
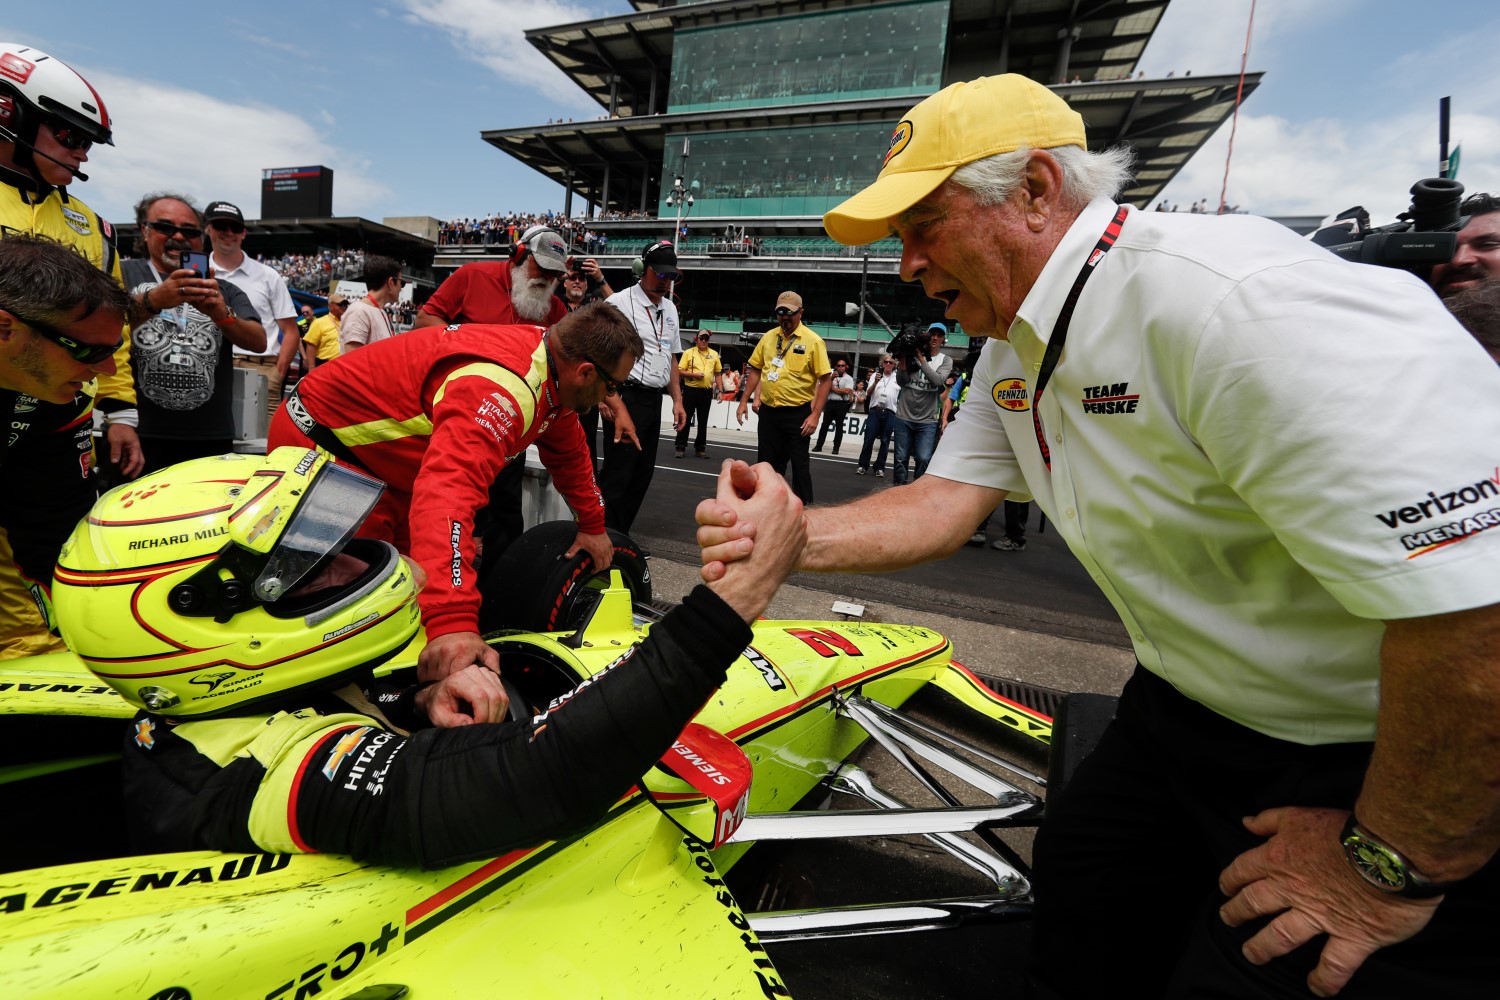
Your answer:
<point x="1064" y="320"/>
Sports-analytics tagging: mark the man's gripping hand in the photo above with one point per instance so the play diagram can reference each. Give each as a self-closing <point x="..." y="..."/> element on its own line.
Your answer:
<point x="764" y="508"/>
<point x="448" y="654"/>
<point x="722" y="535"/>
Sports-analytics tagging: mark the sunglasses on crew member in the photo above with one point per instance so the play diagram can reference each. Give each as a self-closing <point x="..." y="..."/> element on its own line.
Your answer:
<point x="784" y="311"/>
<point x="88" y="354"/>
<point x="168" y="228"/>
<point x="610" y="385"/>
<point x="226" y="226"/>
<point x="69" y="137"/>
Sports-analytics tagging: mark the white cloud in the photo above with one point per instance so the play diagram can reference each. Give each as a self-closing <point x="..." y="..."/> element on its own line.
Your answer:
<point x="170" y="137"/>
<point x="492" y="33"/>
<point x="1207" y="37"/>
<point x="1369" y="152"/>
<point x="1322" y="167"/>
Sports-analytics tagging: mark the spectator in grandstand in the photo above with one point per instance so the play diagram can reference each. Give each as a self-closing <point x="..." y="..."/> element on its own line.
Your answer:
<point x="1478" y="309"/>
<point x="268" y="296"/>
<point x="365" y="321"/>
<point x="181" y="351"/>
<point x="1477" y="257"/>
<point x="321" y="342"/>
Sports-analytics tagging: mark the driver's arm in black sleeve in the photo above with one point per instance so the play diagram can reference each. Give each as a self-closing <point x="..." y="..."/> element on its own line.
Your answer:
<point x="444" y="796"/>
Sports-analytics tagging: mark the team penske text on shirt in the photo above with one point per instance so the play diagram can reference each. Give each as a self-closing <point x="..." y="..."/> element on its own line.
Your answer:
<point x="1435" y="503"/>
<point x="1110" y="398"/>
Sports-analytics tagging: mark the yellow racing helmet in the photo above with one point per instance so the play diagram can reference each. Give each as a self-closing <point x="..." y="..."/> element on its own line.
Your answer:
<point x="230" y="582"/>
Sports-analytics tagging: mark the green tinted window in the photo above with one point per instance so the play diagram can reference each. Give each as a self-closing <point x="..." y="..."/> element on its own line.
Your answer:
<point x="772" y="172"/>
<point x="887" y="51"/>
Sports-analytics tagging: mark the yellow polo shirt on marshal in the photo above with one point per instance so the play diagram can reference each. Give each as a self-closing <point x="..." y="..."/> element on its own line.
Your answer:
<point x="790" y="366"/>
<point x="699" y="368"/>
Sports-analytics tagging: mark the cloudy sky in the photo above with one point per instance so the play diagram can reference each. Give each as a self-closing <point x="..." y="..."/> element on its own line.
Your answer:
<point x="393" y="96"/>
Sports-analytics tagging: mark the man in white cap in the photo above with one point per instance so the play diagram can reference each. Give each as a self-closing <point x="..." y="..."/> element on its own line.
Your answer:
<point x="1300" y="789"/>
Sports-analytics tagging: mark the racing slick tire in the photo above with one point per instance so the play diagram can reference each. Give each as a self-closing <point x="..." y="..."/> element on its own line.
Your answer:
<point x="532" y="587"/>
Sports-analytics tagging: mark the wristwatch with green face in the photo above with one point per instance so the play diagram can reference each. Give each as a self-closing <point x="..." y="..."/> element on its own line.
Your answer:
<point x="1384" y="867"/>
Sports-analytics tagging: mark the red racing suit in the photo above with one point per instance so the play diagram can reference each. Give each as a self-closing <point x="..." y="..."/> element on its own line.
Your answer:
<point x="436" y="413"/>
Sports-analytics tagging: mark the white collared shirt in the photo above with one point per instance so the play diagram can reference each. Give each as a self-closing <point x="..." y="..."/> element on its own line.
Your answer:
<point x="885" y="393"/>
<point x="1258" y="451"/>
<point x="656" y="322"/>
<point x="266" y="290"/>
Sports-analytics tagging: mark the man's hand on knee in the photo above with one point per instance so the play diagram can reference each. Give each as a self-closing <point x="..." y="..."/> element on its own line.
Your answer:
<point x="1301" y="873"/>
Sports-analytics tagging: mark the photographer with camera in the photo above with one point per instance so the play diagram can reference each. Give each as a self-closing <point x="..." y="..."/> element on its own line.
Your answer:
<point x="584" y="283"/>
<point x="1476" y="258"/>
<point x="922" y="373"/>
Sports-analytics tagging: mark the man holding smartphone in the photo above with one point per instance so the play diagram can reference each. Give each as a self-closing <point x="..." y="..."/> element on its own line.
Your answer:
<point x="181" y="352"/>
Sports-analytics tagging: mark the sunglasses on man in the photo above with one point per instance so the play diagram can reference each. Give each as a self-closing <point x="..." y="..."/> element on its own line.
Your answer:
<point x="611" y="387"/>
<point x="226" y="226"/>
<point x="69" y="137"/>
<point x="88" y="354"/>
<point x="169" y="228"/>
<point x="783" y="311"/>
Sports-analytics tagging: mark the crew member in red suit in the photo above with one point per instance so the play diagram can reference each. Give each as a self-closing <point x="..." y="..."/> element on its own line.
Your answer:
<point x="436" y="413"/>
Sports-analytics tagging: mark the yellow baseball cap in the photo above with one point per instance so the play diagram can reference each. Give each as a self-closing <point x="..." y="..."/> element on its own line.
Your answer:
<point x="957" y="125"/>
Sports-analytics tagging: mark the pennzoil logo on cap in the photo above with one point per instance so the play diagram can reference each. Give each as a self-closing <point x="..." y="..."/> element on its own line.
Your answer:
<point x="899" y="141"/>
<point x="1010" y="394"/>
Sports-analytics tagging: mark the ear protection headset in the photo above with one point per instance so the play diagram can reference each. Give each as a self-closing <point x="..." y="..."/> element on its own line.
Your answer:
<point x="638" y="265"/>
<point x="12" y="117"/>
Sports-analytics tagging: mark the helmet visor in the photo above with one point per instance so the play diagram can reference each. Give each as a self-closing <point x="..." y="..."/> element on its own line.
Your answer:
<point x="336" y="505"/>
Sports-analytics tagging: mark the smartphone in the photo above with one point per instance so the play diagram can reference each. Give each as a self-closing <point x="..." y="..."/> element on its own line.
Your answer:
<point x="193" y="260"/>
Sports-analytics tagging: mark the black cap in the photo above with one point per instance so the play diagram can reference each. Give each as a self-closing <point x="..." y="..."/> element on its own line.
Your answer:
<point x="660" y="255"/>
<point x="222" y="210"/>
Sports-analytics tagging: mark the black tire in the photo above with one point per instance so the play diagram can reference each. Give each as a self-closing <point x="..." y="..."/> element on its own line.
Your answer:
<point x="532" y="587"/>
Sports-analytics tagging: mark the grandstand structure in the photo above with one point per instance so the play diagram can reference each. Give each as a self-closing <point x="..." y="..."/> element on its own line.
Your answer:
<point x="771" y="112"/>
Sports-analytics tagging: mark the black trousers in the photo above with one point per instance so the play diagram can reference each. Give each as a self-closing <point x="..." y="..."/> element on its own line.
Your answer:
<point x="626" y="475"/>
<point x="833" y="416"/>
<point x="697" y="402"/>
<point x="779" y="441"/>
<point x="1128" y="859"/>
